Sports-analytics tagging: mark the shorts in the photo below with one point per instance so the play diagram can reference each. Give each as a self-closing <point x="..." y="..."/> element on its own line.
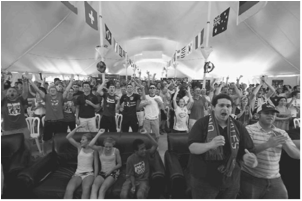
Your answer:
<point x="51" y="128"/>
<point x="83" y="175"/>
<point x="114" y="174"/>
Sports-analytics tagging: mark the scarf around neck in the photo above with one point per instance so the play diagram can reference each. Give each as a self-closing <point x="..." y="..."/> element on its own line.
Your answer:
<point x="218" y="154"/>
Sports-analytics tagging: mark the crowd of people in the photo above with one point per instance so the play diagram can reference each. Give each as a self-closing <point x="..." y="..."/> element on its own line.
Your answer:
<point x="226" y="113"/>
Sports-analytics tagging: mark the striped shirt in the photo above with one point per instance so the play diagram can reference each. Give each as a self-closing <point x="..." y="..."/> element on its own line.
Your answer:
<point x="268" y="160"/>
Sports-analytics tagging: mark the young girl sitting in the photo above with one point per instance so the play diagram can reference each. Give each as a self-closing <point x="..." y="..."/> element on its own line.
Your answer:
<point x="84" y="174"/>
<point x="110" y="161"/>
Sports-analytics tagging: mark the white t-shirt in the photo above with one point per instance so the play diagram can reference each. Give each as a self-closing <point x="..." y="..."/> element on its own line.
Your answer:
<point x="152" y="110"/>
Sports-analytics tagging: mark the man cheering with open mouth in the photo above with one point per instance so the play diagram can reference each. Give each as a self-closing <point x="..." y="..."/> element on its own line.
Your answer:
<point x="218" y="144"/>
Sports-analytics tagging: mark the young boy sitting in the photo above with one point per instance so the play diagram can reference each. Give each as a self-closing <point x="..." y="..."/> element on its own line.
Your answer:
<point x="138" y="169"/>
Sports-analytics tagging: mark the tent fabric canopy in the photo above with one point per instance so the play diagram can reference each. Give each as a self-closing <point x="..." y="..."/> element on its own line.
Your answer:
<point x="47" y="37"/>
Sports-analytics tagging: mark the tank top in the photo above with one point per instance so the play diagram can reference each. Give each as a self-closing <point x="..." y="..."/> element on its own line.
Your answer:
<point x="108" y="162"/>
<point x="181" y="118"/>
<point x="85" y="162"/>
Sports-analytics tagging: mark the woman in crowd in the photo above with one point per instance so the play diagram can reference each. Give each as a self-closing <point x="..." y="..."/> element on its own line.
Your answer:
<point x="85" y="173"/>
<point x="199" y="106"/>
<point x="111" y="161"/>
<point x="245" y="113"/>
<point x="282" y="119"/>
<point x="181" y="113"/>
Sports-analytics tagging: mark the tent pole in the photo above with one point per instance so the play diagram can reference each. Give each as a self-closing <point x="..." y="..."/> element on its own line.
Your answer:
<point x="101" y="26"/>
<point x="207" y="42"/>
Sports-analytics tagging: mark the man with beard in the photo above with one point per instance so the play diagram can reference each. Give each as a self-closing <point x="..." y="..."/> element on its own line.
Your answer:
<point x="54" y="113"/>
<point x="218" y="144"/>
<point x="86" y="105"/>
<point x="264" y="181"/>
<point x="13" y="107"/>
<point x="131" y="103"/>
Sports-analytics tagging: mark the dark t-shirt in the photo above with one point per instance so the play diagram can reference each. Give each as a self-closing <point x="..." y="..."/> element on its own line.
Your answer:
<point x="54" y="107"/>
<point x="139" y="167"/>
<point x="13" y="114"/>
<point x="109" y="105"/>
<point x="69" y="115"/>
<point x="130" y="104"/>
<point x="76" y="95"/>
<point x="85" y="110"/>
<point x="207" y="170"/>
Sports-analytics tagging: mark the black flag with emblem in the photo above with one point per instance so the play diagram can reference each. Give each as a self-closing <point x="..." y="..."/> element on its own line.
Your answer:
<point x="108" y="35"/>
<point x="91" y="16"/>
<point x="221" y="22"/>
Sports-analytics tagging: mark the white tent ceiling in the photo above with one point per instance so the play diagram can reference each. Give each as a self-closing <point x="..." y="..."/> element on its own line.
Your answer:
<point x="47" y="37"/>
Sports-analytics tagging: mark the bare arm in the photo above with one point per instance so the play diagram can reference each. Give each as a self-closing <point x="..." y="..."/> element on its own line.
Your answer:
<point x="200" y="148"/>
<point x="93" y="141"/>
<point x="191" y="101"/>
<point x="71" y="140"/>
<point x="68" y="87"/>
<point x="218" y="91"/>
<point x="291" y="150"/>
<point x="30" y="91"/>
<point x="99" y="90"/>
<point x="25" y="90"/>
<point x="154" y="144"/>
<point x="174" y="98"/>
<point x="42" y="94"/>
<point x="272" y="89"/>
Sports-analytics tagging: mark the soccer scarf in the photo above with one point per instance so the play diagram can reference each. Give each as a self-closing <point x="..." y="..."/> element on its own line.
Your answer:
<point x="217" y="154"/>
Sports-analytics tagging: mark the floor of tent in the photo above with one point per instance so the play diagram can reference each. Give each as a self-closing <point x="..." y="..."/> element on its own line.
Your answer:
<point x="162" y="147"/>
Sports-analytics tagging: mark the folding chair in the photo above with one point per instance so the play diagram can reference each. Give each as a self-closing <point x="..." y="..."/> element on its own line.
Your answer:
<point x="33" y="124"/>
<point x="297" y="122"/>
<point x="98" y="121"/>
<point x="118" y="121"/>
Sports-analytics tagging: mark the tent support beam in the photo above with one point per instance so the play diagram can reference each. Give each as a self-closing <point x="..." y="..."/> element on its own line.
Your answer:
<point x="207" y="42"/>
<point x="37" y="43"/>
<point x="101" y="26"/>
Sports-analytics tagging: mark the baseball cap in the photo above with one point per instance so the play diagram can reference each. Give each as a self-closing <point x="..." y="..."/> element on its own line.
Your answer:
<point x="267" y="107"/>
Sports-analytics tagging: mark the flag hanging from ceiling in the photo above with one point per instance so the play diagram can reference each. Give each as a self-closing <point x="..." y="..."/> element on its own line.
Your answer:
<point x="221" y="22"/>
<point x="199" y="39"/>
<point x="178" y="54"/>
<point x="174" y="57"/>
<point x="183" y="52"/>
<point x="120" y="51"/>
<point x="91" y="16"/>
<point x="70" y="6"/>
<point x="108" y="34"/>
<point x="190" y="48"/>
<point x="115" y="46"/>
<point x="124" y="53"/>
<point x="247" y="9"/>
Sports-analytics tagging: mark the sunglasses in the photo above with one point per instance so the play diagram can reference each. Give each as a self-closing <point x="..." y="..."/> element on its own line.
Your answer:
<point x="152" y="88"/>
